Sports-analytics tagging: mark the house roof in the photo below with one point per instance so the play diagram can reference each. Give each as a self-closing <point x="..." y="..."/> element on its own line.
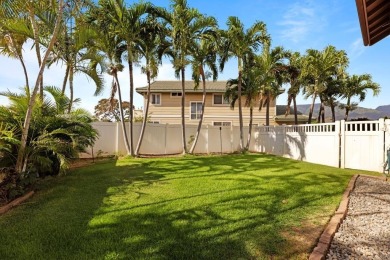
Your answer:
<point x="175" y="85"/>
<point x="374" y="18"/>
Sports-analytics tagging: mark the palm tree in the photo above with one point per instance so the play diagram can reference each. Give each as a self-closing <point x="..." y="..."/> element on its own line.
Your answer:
<point x="111" y="46"/>
<point x="127" y="25"/>
<point x="152" y="46"/>
<point x="319" y="65"/>
<point x="293" y="76"/>
<point x="237" y="43"/>
<point x="357" y="85"/>
<point x="204" y="54"/>
<point x="271" y="66"/>
<point x="249" y="89"/>
<point x="187" y="26"/>
<point x="26" y="124"/>
<point x="329" y="96"/>
<point x="72" y="48"/>
<point x="11" y="45"/>
<point x="76" y="53"/>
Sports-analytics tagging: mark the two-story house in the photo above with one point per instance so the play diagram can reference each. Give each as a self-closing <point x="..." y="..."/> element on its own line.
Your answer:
<point x="165" y="105"/>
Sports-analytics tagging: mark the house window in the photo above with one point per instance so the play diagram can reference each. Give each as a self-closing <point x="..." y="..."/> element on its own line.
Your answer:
<point x="220" y="100"/>
<point x="176" y="94"/>
<point x="222" y="123"/>
<point x="196" y="110"/>
<point x="156" y="99"/>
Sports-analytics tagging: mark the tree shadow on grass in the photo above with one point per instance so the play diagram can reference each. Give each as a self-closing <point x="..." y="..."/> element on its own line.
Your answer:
<point x="225" y="207"/>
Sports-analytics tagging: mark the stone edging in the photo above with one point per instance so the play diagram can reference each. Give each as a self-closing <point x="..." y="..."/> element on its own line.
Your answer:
<point x="15" y="202"/>
<point x="323" y="245"/>
<point x="320" y="251"/>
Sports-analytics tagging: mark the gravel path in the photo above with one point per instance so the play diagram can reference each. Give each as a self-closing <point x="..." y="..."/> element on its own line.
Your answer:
<point x="365" y="232"/>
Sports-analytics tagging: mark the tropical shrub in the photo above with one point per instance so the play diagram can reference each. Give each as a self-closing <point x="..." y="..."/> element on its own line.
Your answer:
<point x="55" y="136"/>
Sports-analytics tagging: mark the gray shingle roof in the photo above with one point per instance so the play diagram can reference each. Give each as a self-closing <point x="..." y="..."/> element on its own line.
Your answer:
<point x="175" y="85"/>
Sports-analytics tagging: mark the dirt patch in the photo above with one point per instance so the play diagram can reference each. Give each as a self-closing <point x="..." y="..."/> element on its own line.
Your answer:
<point x="303" y="238"/>
<point x="78" y="163"/>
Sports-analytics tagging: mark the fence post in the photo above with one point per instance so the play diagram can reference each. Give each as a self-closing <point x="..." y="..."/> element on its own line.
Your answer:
<point x="383" y="130"/>
<point x="207" y="139"/>
<point x="284" y="140"/>
<point x="342" y="143"/>
<point x="165" y="138"/>
<point x="386" y="138"/>
<point x="117" y="137"/>
<point x="232" y="137"/>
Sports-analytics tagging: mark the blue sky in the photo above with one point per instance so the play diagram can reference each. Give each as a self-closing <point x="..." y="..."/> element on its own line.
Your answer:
<point x="295" y="25"/>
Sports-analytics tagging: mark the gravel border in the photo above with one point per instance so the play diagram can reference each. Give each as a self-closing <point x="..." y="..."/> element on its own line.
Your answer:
<point x="365" y="232"/>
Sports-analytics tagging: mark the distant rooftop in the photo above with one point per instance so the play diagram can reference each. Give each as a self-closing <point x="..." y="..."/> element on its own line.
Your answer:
<point x="175" y="85"/>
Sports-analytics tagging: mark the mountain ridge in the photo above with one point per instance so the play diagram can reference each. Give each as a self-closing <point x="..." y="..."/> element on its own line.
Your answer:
<point x="360" y="112"/>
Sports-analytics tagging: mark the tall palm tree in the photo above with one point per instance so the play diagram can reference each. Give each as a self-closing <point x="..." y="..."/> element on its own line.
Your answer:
<point x="187" y="26"/>
<point x="238" y="42"/>
<point x="127" y="23"/>
<point x="293" y="76"/>
<point x="329" y="96"/>
<point x="319" y="65"/>
<point x="108" y="43"/>
<point x="76" y="53"/>
<point x="357" y="85"/>
<point x="72" y="48"/>
<point x="249" y="89"/>
<point x="271" y="65"/>
<point x="152" y="46"/>
<point x="204" y="55"/>
<point x="57" y="12"/>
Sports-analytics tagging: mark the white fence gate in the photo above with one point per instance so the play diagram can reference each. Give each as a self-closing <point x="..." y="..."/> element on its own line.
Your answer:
<point x="356" y="145"/>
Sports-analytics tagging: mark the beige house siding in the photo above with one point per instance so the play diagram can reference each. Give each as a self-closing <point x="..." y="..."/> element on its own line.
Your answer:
<point x="169" y="111"/>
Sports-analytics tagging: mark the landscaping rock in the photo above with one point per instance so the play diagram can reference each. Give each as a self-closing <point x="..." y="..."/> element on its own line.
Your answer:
<point x="365" y="232"/>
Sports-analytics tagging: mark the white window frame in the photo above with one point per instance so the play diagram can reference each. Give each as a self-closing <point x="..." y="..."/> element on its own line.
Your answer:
<point x="177" y="96"/>
<point x="196" y="110"/>
<point x="224" y="104"/>
<point x="223" y="122"/>
<point x="151" y="99"/>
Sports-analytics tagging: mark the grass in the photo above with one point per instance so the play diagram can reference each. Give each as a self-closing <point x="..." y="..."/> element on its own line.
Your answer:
<point x="230" y="207"/>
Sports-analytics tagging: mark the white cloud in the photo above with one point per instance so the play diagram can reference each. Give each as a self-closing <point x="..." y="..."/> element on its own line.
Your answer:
<point x="302" y="19"/>
<point x="356" y="48"/>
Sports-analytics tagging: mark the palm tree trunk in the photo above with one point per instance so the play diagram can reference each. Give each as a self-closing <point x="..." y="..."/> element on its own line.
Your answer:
<point x="71" y="71"/>
<point x="333" y="113"/>
<point x="131" y="72"/>
<point x="125" y="137"/>
<point x="25" y="71"/>
<point x="250" y="128"/>
<point x="145" y="119"/>
<point x="240" y="110"/>
<point x="312" y="107"/>
<point x="36" y="43"/>
<point x="295" y="110"/>
<point x="65" y="79"/>
<point x="183" y="122"/>
<point x="320" y="112"/>
<point x="202" y="115"/>
<point x="27" y="121"/>
<point x="347" y="109"/>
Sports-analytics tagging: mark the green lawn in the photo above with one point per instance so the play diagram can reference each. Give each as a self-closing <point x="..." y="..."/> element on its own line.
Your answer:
<point x="231" y="207"/>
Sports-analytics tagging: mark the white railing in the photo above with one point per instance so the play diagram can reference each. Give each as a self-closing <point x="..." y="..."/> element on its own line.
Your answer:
<point x="356" y="145"/>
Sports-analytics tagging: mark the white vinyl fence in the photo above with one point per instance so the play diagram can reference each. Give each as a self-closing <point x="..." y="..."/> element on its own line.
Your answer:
<point x="356" y="145"/>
